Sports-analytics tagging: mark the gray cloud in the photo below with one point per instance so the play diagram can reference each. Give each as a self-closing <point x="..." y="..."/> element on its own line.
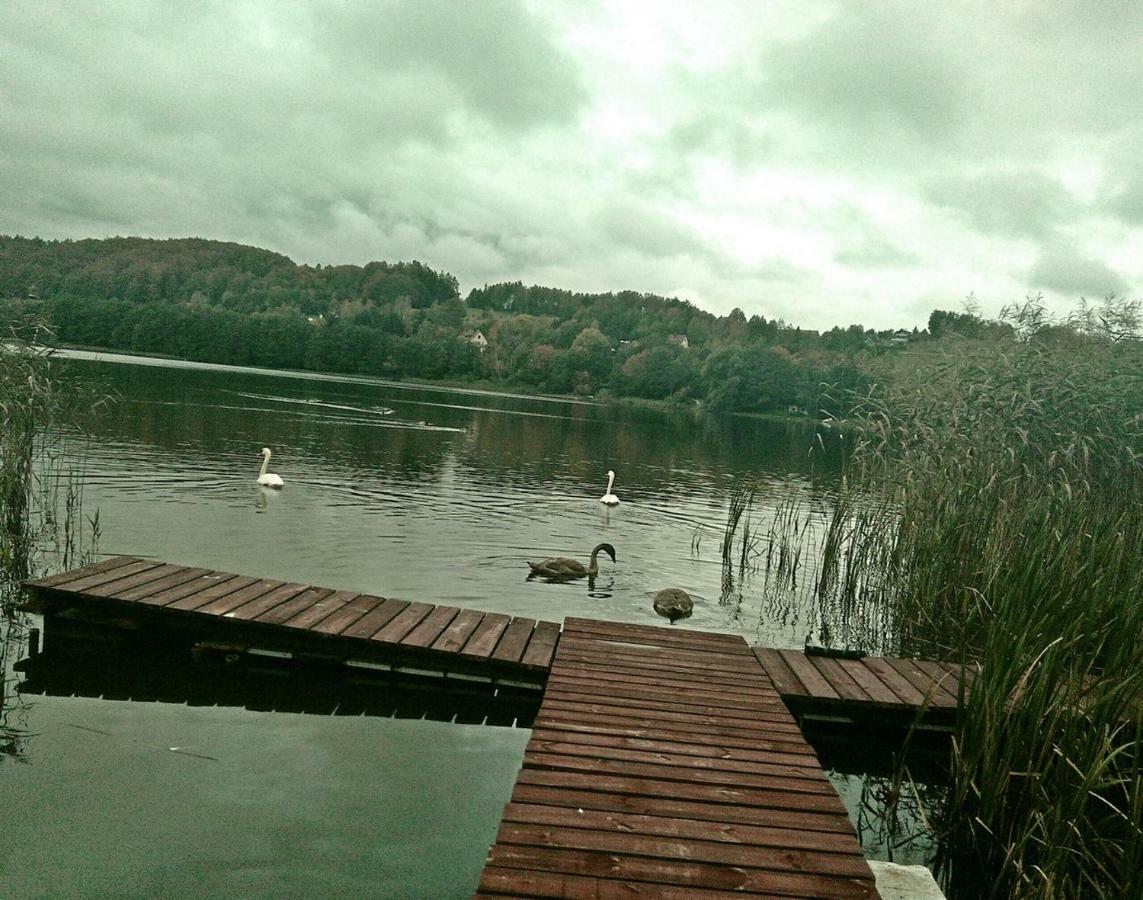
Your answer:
<point x="1059" y="268"/>
<point x="1020" y="203"/>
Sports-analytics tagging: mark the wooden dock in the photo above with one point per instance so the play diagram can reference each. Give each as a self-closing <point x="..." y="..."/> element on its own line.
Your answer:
<point x="899" y="688"/>
<point x="289" y="617"/>
<point x="663" y="764"/>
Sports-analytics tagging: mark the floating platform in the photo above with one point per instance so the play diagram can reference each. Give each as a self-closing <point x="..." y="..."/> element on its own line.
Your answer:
<point x="868" y="687"/>
<point x="664" y="764"/>
<point x="244" y="613"/>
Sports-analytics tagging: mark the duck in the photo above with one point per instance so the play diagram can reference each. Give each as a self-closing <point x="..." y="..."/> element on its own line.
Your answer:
<point x="268" y="479"/>
<point x="609" y="498"/>
<point x="560" y="567"/>
<point x="673" y="604"/>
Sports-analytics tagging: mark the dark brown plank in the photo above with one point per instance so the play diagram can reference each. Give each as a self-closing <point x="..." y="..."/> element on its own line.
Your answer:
<point x="501" y="883"/>
<point x="812" y="680"/>
<point x="879" y="693"/>
<point x="90" y="583"/>
<point x="776" y="814"/>
<point x="303" y="601"/>
<point x="663" y="753"/>
<point x="558" y="692"/>
<point x="947" y="677"/>
<point x="61" y="579"/>
<point x="194" y="586"/>
<point x="656" y="637"/>
<point x="728" y="742"/>
<point x="793" y="754"/>
<point x="431" y="627"/>
<point x="583" y="681"/>
<point x="341" y="618"/>
<point x="696" y="875"/>
<point x="774" y="797"/>
<point x="935" y="697"/>
<point x="601" y="664"/>
<point x="376" y="619"/>
<point x="179" y="576"/>
<point x="486" y="635"/>
<point x="322" y="609"/>
<point x="211" y="591"/>
<point x="782" y="676"/>
<point x="895" y="681"/>
<point x="233" y="600"/>
<point x="585" y="711"/>
<point x="458" y="631"/>
<point x="840" y="680"/>
<point x="776" y="777"/>
<point x="671" y="848"/>
<point x="255" y="607"/>
<point x="515" y="639"/>
<point x="404" y="622"/>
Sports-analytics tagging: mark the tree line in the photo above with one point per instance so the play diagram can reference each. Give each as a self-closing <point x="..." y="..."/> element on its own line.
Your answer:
<point x="219" y="302"/>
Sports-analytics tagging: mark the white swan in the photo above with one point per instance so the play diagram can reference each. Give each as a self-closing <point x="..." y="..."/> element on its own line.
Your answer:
<point x="268" y="479"/>
<point x="609" y="498"/>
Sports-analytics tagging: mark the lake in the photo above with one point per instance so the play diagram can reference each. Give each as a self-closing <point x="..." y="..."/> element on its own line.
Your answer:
<point x="417" y="492"/>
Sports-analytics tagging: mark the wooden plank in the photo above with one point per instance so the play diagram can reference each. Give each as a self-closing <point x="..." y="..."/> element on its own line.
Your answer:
<point x="176" y="577"/>
<point x="774" y="814"/>
<point x="602" y="664"/>
<point x="558" y="692"/>
<point x="947" y="677"/>
<point x="582" y="681"/>
<point x="839" y="679"/>
<point x="90" y="582"/>
<point x="501" y="883"/>
<point x="728" y="742"/>
<point x="812" y="680"/>
<point x="670" y="847"/>
<point x="782" y="676"/>
<point x="253" y="608"/>
<point x="586" y="711"/>
<point x="692" y="875"/>
<point x="791" y="778"/>
<point x="186" y="589"/>
<point x="774" y="797"/>
<point x="303" y="601"/>
<point x="376" y="619"/>
<point x="486" y="635"/>
<point x="61" y="579"/>
<point x="431" y="627"/>
<point x="404" y="622"/>
<point x="935" y="696"/>
<point x="663" y="753"/>
<point x="235" y="599"/>
<point x="879" y="693"/>
<point x="895" y="681"/>
<point x="794" y="754"/>
<point x="657" y="637"/>
<point x="210" y="593"/>
<point x="692" y="659"/>
<point x="515" y="639"/>
<point x="458" y="631"/>
<point x="322" y="609"/>
<point x="344" y="616"/>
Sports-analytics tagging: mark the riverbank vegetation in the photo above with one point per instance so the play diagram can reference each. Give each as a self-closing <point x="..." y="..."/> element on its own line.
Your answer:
<point x="992" y="514"/>
<point x="225" y="303"/>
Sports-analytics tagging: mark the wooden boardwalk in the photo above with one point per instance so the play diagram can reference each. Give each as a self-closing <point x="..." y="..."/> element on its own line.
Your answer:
<point x="663" y="764"/>
<point x="294" y="617"/>
<point x="893" y="686"/>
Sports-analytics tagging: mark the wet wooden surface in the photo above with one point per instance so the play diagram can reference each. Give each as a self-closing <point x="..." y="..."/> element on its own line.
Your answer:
<point x="663" y="763"/>
<point x="424" y="634"/>
<point x="904" y="685"/>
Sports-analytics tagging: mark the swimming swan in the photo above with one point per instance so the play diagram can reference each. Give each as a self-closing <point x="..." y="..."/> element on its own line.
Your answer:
<point x="673" y="603"/>
<point x="609" y="498"/>
<point x="268" y="479"/>
<point x="560" y="567"/>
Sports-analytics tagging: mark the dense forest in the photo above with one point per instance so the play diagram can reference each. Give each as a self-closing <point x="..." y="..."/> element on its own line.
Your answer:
<point x="227" y="303"/>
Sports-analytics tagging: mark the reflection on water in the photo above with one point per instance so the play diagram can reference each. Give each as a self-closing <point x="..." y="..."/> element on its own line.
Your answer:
<point x="415" y="492"/>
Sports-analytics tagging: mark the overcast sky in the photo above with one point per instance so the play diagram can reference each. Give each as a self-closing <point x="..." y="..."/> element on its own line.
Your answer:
<point x="823" y="163"/>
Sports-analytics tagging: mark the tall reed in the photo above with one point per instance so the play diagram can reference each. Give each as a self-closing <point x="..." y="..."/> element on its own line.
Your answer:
<point x="1010" y="533"/>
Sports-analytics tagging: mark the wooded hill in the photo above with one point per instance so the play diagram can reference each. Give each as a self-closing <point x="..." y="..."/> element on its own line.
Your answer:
<point x="228" y="303"/>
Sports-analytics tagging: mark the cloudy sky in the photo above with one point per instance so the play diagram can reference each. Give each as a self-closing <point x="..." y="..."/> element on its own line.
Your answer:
<point x="823" y="163"/>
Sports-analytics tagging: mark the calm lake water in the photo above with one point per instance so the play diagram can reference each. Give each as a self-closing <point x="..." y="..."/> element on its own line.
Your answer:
<point x="396" y="490"/>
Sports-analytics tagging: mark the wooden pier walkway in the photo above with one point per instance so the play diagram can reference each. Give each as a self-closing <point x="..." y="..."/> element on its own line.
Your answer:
<point x="663" y="764"/>
<point x="300" y="618"/>
<point x="900" y="687"/>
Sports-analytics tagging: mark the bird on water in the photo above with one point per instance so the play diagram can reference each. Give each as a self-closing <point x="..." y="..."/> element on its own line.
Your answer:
<point x="609" y="498"/>
<point x="673" y="604"/>
<point x="562" y="568"/>
<point x="268" y="479"/>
